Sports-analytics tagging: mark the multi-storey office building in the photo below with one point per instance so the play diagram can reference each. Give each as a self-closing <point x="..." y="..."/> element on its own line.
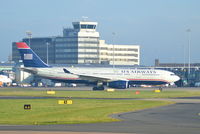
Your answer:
<point x="82" y="45"/>
<point x="119" y="54"/>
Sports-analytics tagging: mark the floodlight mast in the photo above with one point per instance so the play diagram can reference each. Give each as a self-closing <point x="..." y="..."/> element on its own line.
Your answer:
<point x="113" y="50"/>
<point x="47" y="52"/>
<point x="189" y="51"/>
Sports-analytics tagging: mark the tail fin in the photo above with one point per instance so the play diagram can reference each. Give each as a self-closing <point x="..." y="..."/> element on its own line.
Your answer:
<point x="29" y="57"/>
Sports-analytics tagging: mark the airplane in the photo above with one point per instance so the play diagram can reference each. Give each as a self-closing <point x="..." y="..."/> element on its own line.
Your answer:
<point x="114" y="77"/>
<point x="5" y="81"/>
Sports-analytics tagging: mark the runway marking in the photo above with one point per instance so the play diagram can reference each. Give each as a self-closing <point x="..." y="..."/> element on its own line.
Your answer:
<point x="54" y="132"/>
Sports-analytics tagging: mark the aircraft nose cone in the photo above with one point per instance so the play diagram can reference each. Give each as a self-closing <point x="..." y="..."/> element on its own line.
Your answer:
<point x="176" y="78"/>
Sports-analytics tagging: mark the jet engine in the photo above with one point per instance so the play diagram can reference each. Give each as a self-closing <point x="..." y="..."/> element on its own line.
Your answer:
<point x="120" y="84"/>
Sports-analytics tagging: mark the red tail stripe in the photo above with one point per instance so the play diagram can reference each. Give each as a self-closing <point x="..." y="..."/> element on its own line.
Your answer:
<point x="22" y="45"/>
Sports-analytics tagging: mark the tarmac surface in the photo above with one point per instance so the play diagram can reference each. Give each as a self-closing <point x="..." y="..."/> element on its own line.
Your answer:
<point x="180" y="118"/>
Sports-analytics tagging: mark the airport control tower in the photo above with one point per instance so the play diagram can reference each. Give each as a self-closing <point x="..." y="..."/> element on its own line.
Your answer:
<point x="82" y="29"/>
<point x="82" y="40"/>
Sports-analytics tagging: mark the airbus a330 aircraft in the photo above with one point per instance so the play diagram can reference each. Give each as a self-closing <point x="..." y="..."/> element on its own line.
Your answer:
<point x="115" y="77"/>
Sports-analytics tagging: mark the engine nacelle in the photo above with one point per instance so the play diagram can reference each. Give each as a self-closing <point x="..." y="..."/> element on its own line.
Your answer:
<point x="119" y="84"/>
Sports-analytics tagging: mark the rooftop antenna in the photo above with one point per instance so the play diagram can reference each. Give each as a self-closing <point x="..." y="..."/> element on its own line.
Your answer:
<point x="84" y="18"/>
<point x="29" y="34"/>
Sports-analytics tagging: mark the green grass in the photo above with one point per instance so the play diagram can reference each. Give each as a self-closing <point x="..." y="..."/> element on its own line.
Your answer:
<point x="98" y="94"/>
<point x="48" y="111"/>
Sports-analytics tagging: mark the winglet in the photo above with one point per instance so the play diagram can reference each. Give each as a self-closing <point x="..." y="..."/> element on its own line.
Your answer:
<point x="66" y="71"/>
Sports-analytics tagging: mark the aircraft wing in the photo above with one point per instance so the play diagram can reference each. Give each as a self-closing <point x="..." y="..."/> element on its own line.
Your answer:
<point x="29" y="70"/>
<point x="95" y="77"/>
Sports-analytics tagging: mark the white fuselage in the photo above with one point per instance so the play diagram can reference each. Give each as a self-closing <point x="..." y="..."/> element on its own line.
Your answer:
<point x="138" y="75"/>
<point x="5" y="79"/>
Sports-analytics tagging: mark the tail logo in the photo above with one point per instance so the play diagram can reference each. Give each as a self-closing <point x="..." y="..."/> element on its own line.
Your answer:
<point x="28" y="56"/>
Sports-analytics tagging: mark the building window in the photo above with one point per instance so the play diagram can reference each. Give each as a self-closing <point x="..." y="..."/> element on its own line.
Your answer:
<point x="83" y="26"/>
<point x="91" y="26"/>
<point x="76" y="26"/>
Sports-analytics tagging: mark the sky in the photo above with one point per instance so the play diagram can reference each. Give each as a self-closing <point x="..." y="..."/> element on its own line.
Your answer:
<point x="158" y="26"/>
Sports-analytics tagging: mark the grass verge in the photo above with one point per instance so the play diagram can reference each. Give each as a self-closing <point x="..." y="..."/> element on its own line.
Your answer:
<point x="48" y="111"/>
<point x="98" y="94"/>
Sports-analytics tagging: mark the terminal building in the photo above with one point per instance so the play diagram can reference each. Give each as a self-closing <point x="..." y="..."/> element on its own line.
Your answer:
<point x="189" y="73"/>
<point x="81" y="45"/>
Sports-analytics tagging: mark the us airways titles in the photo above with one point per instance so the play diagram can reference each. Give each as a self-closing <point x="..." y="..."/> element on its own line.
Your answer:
<point x="138" y="71"/>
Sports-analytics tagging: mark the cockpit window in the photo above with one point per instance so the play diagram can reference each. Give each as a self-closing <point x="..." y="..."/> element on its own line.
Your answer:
<point x="172" y="74"/>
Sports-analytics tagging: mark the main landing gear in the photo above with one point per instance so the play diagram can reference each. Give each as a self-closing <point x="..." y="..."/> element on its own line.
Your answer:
<point x="161" y="88"/>
<point x="99" y="86"/>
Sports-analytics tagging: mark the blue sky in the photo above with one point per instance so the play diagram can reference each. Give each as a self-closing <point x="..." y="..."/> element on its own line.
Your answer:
<point x="158" y="26"/>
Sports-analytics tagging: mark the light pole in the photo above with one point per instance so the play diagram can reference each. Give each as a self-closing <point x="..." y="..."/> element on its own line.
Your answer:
<point x="29" y="34"/>
<point x="47" y="52"/>
<point x="184" y="57"/>
<point x="189" y="45"/>
<point x="113" y="50"/>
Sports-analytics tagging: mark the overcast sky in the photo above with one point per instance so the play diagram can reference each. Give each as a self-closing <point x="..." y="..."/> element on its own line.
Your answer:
<point x="158" y="26"/>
